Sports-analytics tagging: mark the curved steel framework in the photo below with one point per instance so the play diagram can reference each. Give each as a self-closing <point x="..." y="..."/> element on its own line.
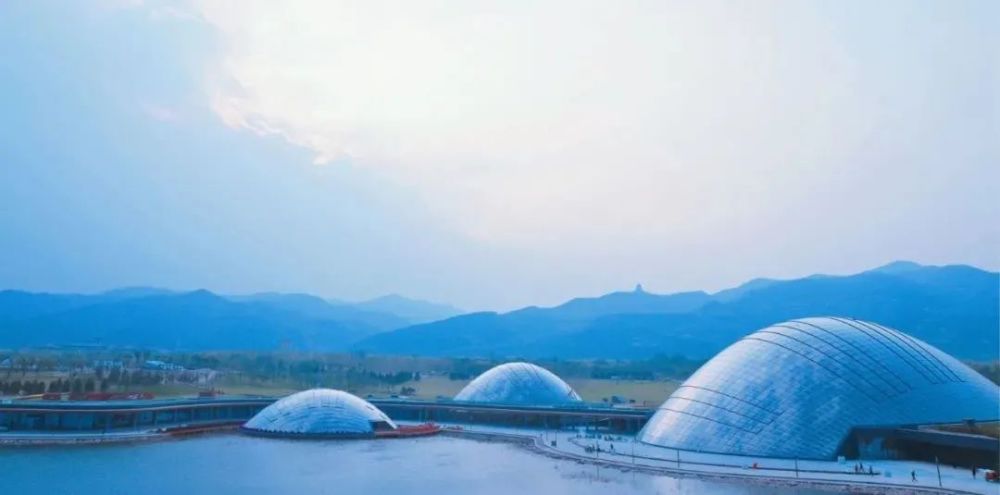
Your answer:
<point x="797" y="389"/>
<point x="519" y="383"/>
<point x="319" y="413"/>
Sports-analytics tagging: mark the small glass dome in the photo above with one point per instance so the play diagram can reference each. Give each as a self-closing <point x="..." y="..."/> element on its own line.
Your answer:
<point x="519" y="383"/>
<point x="320" y="412"/>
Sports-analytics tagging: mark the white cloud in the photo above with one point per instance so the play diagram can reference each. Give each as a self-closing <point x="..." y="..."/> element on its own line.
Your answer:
<point x="541" y="123"/>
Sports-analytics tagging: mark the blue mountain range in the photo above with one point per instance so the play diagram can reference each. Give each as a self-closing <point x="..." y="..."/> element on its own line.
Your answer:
<point x="956" y="308"/>
<point x="952" y="307"/>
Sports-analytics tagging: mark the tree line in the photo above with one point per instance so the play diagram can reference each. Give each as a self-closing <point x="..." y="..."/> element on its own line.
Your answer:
<point x="102" y="382"/>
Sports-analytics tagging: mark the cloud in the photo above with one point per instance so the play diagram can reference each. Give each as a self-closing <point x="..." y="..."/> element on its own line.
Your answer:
<point x="572" y="123"/>
<point x="498" y="153"/>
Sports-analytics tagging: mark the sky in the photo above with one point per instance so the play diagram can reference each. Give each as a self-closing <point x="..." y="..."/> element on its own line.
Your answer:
<point x="492" y="154"/>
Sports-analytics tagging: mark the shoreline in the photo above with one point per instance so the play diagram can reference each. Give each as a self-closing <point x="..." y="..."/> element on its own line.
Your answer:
<point x="537" y="445"/>
<point x="531" y="443"/>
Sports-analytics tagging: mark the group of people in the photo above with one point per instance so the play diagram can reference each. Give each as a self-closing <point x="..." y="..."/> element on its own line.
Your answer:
<point x="859" y="468"/>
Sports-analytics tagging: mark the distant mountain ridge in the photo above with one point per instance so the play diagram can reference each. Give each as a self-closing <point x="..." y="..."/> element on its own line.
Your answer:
<point x="410" y="309"/>
<point x="638" y="301"/>
<point x="196" y="320"/>
<point x="952" y="307"/>
<point x="955" y="307"/>
<point x="322" y="309"/>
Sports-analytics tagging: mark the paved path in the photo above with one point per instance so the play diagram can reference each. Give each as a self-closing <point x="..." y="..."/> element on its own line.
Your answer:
<point x="892" y="477"/>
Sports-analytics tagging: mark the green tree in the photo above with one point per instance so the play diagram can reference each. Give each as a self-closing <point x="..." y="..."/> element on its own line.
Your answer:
<point x="115" y="375"/>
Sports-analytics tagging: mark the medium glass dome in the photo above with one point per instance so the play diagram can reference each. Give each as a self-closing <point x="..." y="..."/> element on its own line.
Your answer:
<point x="519" y="383"/>
<point x="320" y="412"/>
<point x="797" y="389"/>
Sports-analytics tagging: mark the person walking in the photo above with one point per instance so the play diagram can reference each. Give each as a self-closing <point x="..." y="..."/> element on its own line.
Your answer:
<point x="913" y="475"/>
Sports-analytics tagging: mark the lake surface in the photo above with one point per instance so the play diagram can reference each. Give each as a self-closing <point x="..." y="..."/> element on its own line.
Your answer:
<point x="235" y="464"/>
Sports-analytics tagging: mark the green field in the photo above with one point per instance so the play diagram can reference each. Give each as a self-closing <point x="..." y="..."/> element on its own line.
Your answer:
<point x="645" y="393"/>
<point x="644" y="383"/>
<point x="649" y="393"/>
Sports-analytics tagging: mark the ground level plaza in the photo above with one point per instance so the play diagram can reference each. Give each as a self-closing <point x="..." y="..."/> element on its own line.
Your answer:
<point x="891" y="475"/>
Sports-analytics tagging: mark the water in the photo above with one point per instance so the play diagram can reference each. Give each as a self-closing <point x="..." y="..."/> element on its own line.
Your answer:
<point x="231" y="464"/>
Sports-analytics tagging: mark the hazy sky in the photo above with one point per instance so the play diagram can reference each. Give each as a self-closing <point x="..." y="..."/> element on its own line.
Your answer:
<point x="492" y="154"/>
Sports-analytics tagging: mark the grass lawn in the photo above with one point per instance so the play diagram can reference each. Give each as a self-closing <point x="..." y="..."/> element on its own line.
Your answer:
<point x="650" y="393"/>
<point x="990" y="429"/>
<point x="429" y="387"/>
<point x="645" y="392"/>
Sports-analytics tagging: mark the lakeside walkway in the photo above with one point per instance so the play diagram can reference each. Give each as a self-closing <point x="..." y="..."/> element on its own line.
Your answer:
<point x="892" y="477"/>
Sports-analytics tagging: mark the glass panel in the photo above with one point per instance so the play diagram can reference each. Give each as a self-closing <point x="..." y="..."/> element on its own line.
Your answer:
<point x="796" y="389"/>
<point x="319" y="411"/>
<point x="519" y="383"/>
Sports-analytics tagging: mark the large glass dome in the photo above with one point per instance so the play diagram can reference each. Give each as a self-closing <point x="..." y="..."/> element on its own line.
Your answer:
<point x="320" y="412"/>
<point x="519" y="383"/>
<point x="796" y="390"/>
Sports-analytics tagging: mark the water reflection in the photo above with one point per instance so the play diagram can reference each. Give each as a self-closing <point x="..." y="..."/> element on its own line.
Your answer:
<point x="225" y="464"/>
